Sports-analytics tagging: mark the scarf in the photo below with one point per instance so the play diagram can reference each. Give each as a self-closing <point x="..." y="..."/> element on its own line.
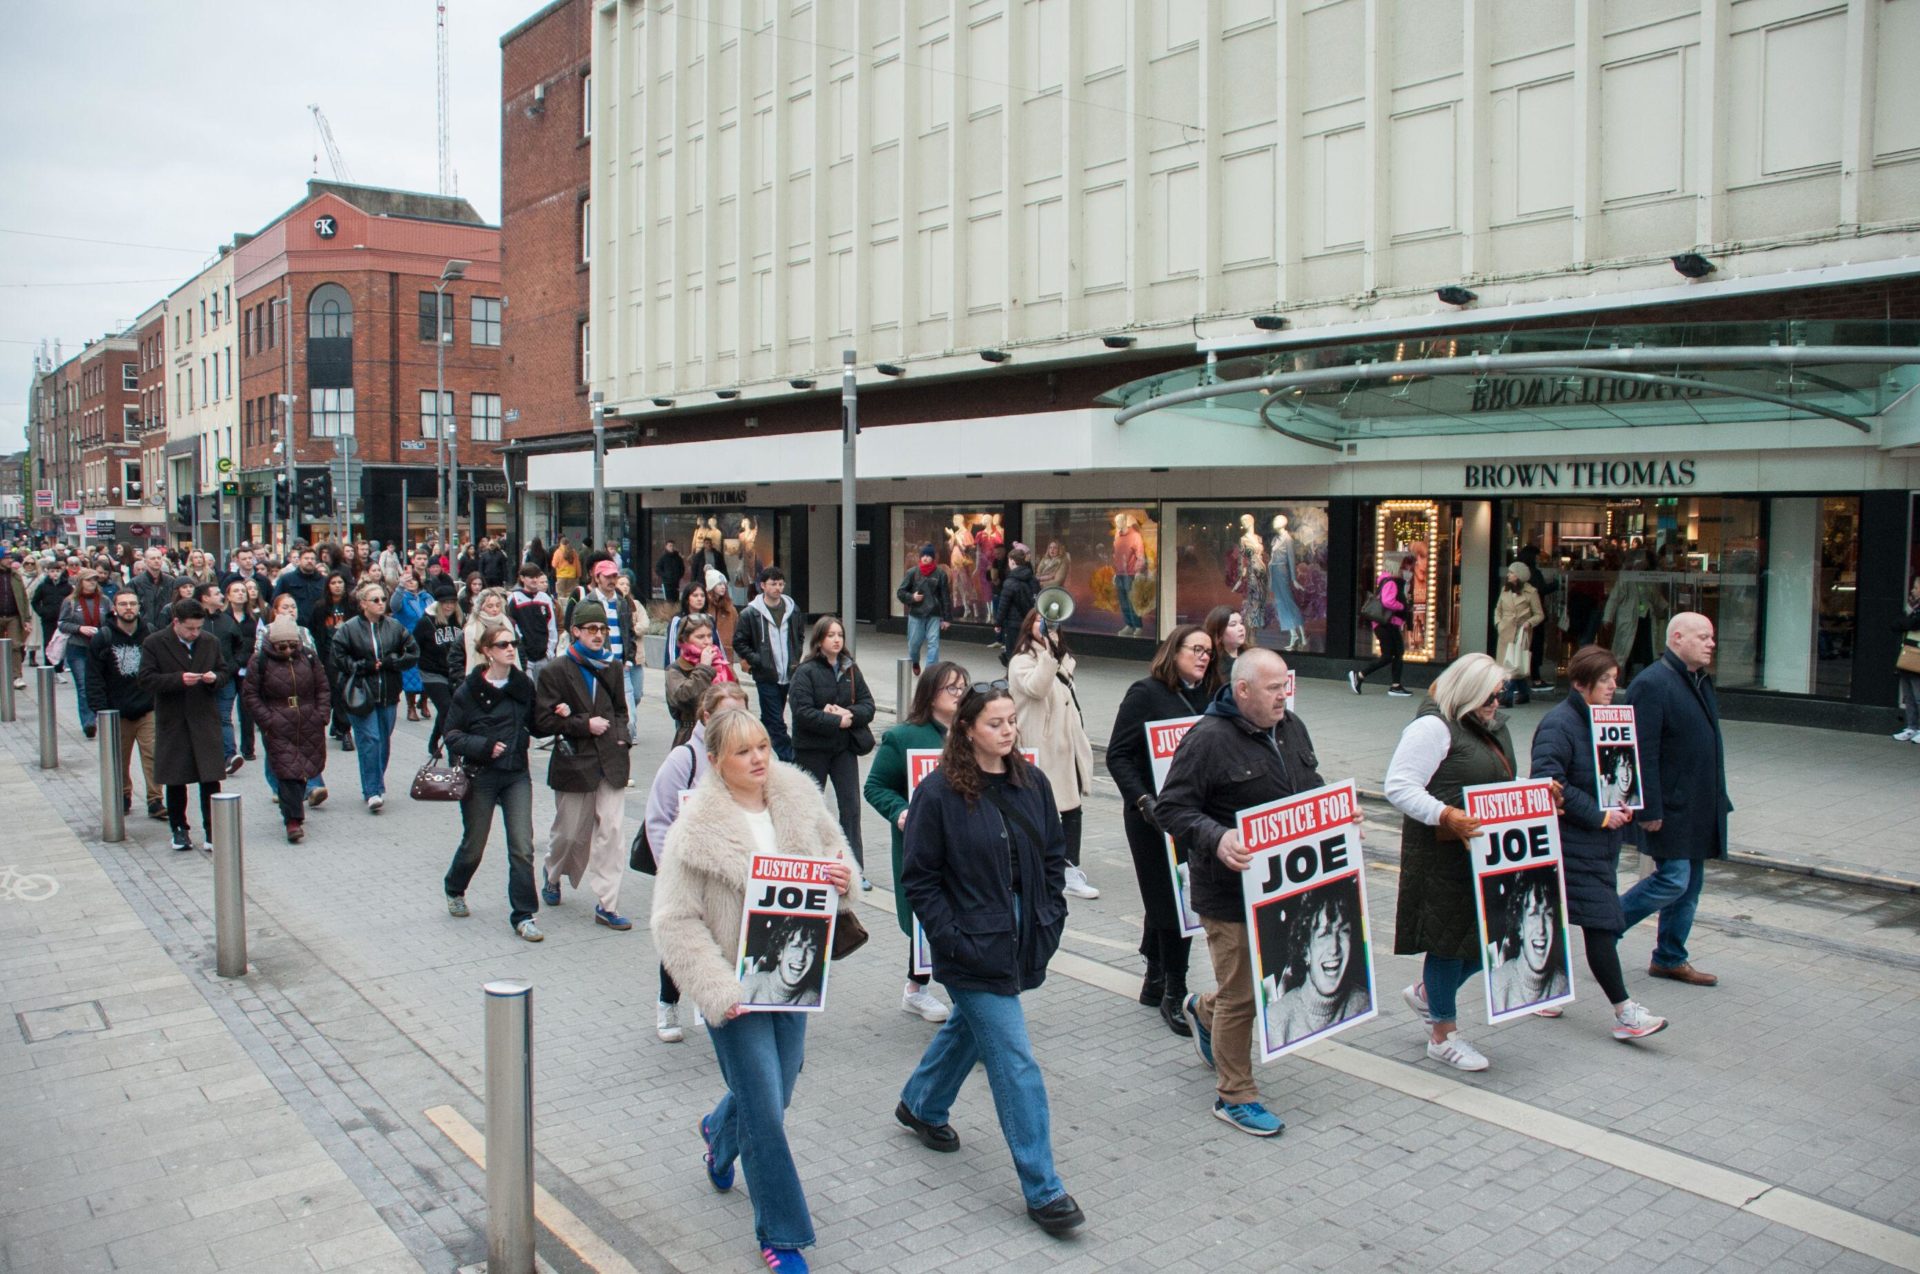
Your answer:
<point x="589" y="657"/>
<point x="926" y="568"/>
<point x="722" y="670"/>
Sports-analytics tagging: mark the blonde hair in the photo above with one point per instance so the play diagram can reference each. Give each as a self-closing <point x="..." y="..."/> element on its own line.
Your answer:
<point x="715" y="696"/>
<point x="730" y="729"/>
<point x="369" y="588"/>
<point x="1466" y="684"/>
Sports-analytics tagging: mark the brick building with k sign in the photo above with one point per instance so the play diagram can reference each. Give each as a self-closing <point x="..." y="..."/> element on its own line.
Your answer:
<point x="340" y="300"/>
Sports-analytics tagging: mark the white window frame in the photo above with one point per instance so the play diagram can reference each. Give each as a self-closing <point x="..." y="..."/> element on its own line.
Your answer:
<point x="483" y="410"/>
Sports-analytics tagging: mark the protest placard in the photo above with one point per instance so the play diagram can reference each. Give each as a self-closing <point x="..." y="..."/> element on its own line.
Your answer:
<point x="786" y="934"/>
<point x="920" y="763"/>
<point x="1616" y="757"/>
<point x="1163" y="737"/>
<point x="1520" y="895"/>
<point x="1306" y="895"/>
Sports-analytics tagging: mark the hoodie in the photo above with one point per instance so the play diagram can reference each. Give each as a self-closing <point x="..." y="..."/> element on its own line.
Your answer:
<point x="536" y="623"/>
<point x="769" y="646"/>
<point x="1226" y="764"/>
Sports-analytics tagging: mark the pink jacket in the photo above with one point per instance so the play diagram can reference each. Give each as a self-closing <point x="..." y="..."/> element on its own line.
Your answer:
<point x="1129" y="553"/>
<point x="1389" y="586"/>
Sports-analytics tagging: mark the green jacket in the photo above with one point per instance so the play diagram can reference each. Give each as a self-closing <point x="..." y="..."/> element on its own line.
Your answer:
<point x="886" y="791"/>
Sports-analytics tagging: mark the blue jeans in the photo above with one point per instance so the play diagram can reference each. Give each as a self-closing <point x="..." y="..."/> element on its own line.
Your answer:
<point x="1673" y="890"/>
<point x="760" y="1058"/>
<point x="923" y="631"/>
<point x="511" y="792"/>
<point x="636" y="685"/>
<point x="1123" y="590"/>
<point x="77" y="665"/>
<point x="1443" y="977"/>
<point x="229" y="739"/>
<point x="991" y="1028"/>
<point x="273" y="782"/>
<point x="372" y="744"/>
<point x="773" y="715"/>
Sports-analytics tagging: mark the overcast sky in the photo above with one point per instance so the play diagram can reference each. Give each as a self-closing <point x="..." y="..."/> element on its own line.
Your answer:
<point x="174" y="125"/>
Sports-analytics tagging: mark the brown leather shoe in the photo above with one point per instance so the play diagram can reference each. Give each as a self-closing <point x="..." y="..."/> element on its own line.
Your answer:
<point x="1682" y="973"/>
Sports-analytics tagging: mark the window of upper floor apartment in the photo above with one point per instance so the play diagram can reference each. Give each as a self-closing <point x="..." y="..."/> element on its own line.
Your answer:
<point x="484" y="325"/>
<point x="434" y="304"/>
<point x="586" y="105"/>
<point x="130" y="376"/>
<point x="484" y="411"/>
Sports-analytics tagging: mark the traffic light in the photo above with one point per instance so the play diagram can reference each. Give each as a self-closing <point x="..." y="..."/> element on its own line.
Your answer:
<point x="282" y="499"/>
<point x="316" y="496"/>
<point x="183" y="510"/>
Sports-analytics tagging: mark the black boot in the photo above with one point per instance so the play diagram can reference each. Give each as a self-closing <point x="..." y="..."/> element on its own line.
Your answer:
<point x="1154" y="989"/>
<point x="1173" y="1013"/>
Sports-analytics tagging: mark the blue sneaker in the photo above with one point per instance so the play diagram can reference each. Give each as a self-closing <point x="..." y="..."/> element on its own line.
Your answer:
<point x="1249" y="1117"/>
<point x="550" y="894"/>
<point x="611" y="919"/>
<point x="721" y="1178"/>
<point x="784" y="1260"/>
<point x="1202" y="1037"/>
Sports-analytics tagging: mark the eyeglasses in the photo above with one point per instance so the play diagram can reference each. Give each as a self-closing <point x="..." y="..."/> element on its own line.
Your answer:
<point x="955" y="689"/>
<point x="593" y="628"/>
<point x="1198" y="650"/>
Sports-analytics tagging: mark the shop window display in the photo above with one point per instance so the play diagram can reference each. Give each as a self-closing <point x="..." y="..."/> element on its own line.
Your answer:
<point x="1420" y="529"/>
<point x="1268" y="561"/>
<point x="1107" y="557"/>
<point x="738" y="543"/>
<point x="970" y="548"/>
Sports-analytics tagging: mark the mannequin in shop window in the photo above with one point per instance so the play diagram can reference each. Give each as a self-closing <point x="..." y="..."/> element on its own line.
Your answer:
<point x="960" y="569"/>
<point x="1250" y="573"/>
<point x="1282" y="579"/>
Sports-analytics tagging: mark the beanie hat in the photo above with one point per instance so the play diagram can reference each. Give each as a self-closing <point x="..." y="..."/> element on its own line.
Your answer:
<point x="714" y="579"/>
<point x="442" y="589"/>
<point x="283" y="629"/>
<point x="927" y="550"/>
<point x="589" y="613"/>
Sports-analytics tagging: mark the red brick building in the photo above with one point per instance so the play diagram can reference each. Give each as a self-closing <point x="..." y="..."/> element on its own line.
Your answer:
<point x="545" y="165"/>
<point x="109" y="376"/>
<point x="357" y="266"/>
<point x="151" y="336"/>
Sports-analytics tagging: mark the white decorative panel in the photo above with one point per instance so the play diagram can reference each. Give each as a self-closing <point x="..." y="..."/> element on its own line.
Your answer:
<point x="799" y="316"/>
<point x="1543" y="122"/>
<point x="1247" y="208"/>
<point x="1798" y="128"/>
<point x="844" y="120"/>
<point x="1336" y="189"/>
<point x="935" y="72"/>
<point x="986" y="64"/>
<point x="763" y="148"/>
<point x="1046" y="253"/>
<point x="936" y="274"/>
<point x="762" y="310"/>
<point x="1237" y="13"/>
<point x="799" y="153"/>
<point x="887" y="84"/>
<point x="883" y="292"/>
<point x="843" y="294"/>
<point x="1103" y="236"/>
<point x="1177" y="208"/>
<point x="1643" y="118"/>
<point x="1422" y="163"/>
<point x="1105" y="47"/>
<point x="986" y="261"/>
<point x="726" y="306"/>
<point x="1335" y="68"/>
<point x="1896" y="105"/>
<point x="1046" y="45"/>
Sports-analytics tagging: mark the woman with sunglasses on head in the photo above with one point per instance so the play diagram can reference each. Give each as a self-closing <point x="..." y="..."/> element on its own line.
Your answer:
<point x="1175" y="686"/>
<point x="489" y="726"/>
<point x="1040" y="675"/>
<point x="985" y="863"/>
<point x="750" y="803"/>
<point x="936" y="697"/>
<point x="288" y="696"/>
<point x="1458" y="739"/>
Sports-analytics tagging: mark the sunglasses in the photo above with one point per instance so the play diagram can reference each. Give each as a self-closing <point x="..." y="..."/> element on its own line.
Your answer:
<point x="984" y="689"/>
<point x="1492" y="700"/>
<point x="504" y="645"/>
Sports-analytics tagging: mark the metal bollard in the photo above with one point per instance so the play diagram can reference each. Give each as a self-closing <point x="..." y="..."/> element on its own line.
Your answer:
<point x="113" y="785"/>
<point x="6" y="682"/>
<point x="509" y="1127"/>
<point x="903" y="688"/>
<point x="229" y="889"/>
<point x="48" y="690"/>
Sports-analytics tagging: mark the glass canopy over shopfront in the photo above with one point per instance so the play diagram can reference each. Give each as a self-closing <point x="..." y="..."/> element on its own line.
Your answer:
<point x="1539" y="379"/>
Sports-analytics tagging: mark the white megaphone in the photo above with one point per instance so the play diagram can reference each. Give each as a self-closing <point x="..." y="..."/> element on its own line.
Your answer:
<point x="1055" y="605"/>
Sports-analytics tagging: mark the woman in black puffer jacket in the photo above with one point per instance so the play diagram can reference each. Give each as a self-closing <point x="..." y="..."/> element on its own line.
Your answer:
<point x="489" y="725"/>
<point x="1590" y="836"/>
<point x="830" y="700"/>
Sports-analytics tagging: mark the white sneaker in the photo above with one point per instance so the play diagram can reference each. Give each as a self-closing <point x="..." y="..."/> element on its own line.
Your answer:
<point x="375" y="803"/>
<point x="666" y="1023"/>
<point x="1457" y="1053"/>
<point x="1077" y="886"/>
<point x="1416" y="998"/>
<point x="918" y="999"/>
<point x="530" y="931"/>
<point x="1904" y="736"/>
<point x="1632" y="1022"/>
<point x="20" y="683"/>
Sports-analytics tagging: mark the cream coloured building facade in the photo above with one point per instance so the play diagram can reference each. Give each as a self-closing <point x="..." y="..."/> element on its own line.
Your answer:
<point x="203" y="378"/>
<point x="922" y="179"/>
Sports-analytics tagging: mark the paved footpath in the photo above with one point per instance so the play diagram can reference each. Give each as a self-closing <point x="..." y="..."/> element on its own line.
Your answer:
<point x="1773" y="1127"/>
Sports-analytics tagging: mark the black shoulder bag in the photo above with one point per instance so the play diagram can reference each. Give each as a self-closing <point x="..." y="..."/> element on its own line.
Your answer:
<point x="641" y="857"/>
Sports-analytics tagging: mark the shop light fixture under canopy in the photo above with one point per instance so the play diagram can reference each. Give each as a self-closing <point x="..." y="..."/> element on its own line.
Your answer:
<point x="801" y="382"/>
<point x="726" y="393"/>
<point x="1269" y="322"/>
<point x="1117" y="342"/>
<point x="1454" y="294"/>
<point x="889" y="369"/>
<point x="1692" y="265"/>
<point x="663" y="402"/>
<point x="995" y="355"/>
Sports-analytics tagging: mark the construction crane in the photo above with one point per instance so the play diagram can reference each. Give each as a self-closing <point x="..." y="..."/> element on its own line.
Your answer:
<point x="440" y="56"/>
<point x="340" y="170"/>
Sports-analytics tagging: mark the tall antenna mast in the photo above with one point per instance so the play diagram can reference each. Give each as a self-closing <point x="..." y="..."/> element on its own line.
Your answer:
<point x="440" y="55"/>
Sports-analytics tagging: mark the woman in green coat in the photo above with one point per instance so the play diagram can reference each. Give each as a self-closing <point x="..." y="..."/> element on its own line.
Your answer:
<point x="935" y="697"/>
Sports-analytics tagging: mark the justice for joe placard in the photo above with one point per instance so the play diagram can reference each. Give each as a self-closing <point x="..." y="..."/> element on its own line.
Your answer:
<point x="786" y="934"/>
<point x="1163" y="737"/>
<point x="1306" y="895"/>
<point x="1616" y="757"/>
<point x="1519" y="891"/>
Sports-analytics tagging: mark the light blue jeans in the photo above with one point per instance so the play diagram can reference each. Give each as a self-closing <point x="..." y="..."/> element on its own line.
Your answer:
<point x="1443" y="976"/>
<point x="760" y="1058"/>
<point x="229" y="736"/>
<point x="77" y="665"/>
<point x="1673" y="890"/>
<point x="923" y="630"/>
<point x="991" y="1028"/>
<point x="636" y="685"/>
<point x="372" y="745"/>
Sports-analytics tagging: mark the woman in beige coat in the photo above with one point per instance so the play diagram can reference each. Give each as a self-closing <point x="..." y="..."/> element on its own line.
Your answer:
<point x="748" y="803"/>
<point x="1515" y="616"/>
<point x="1040" y="678"/>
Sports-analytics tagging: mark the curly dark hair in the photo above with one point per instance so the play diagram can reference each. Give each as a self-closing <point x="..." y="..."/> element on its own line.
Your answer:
<point x="956" y="758"/>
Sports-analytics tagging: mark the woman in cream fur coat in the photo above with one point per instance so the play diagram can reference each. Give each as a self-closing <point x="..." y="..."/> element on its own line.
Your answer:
<point x="747" y="803"/>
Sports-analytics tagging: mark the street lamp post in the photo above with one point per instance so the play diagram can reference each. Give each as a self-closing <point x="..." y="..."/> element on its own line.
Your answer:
<point x="447" y="470"/>
<point x="599" y="468"/>
<point x="849" y="440"/>
<point x="292" y="510"/>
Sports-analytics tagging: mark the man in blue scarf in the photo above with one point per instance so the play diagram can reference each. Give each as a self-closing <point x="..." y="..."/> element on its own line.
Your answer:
<point x="579" y="700"/>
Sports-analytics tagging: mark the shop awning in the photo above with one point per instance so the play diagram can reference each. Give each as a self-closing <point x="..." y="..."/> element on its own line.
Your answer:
<point x="1545" y="379"/>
